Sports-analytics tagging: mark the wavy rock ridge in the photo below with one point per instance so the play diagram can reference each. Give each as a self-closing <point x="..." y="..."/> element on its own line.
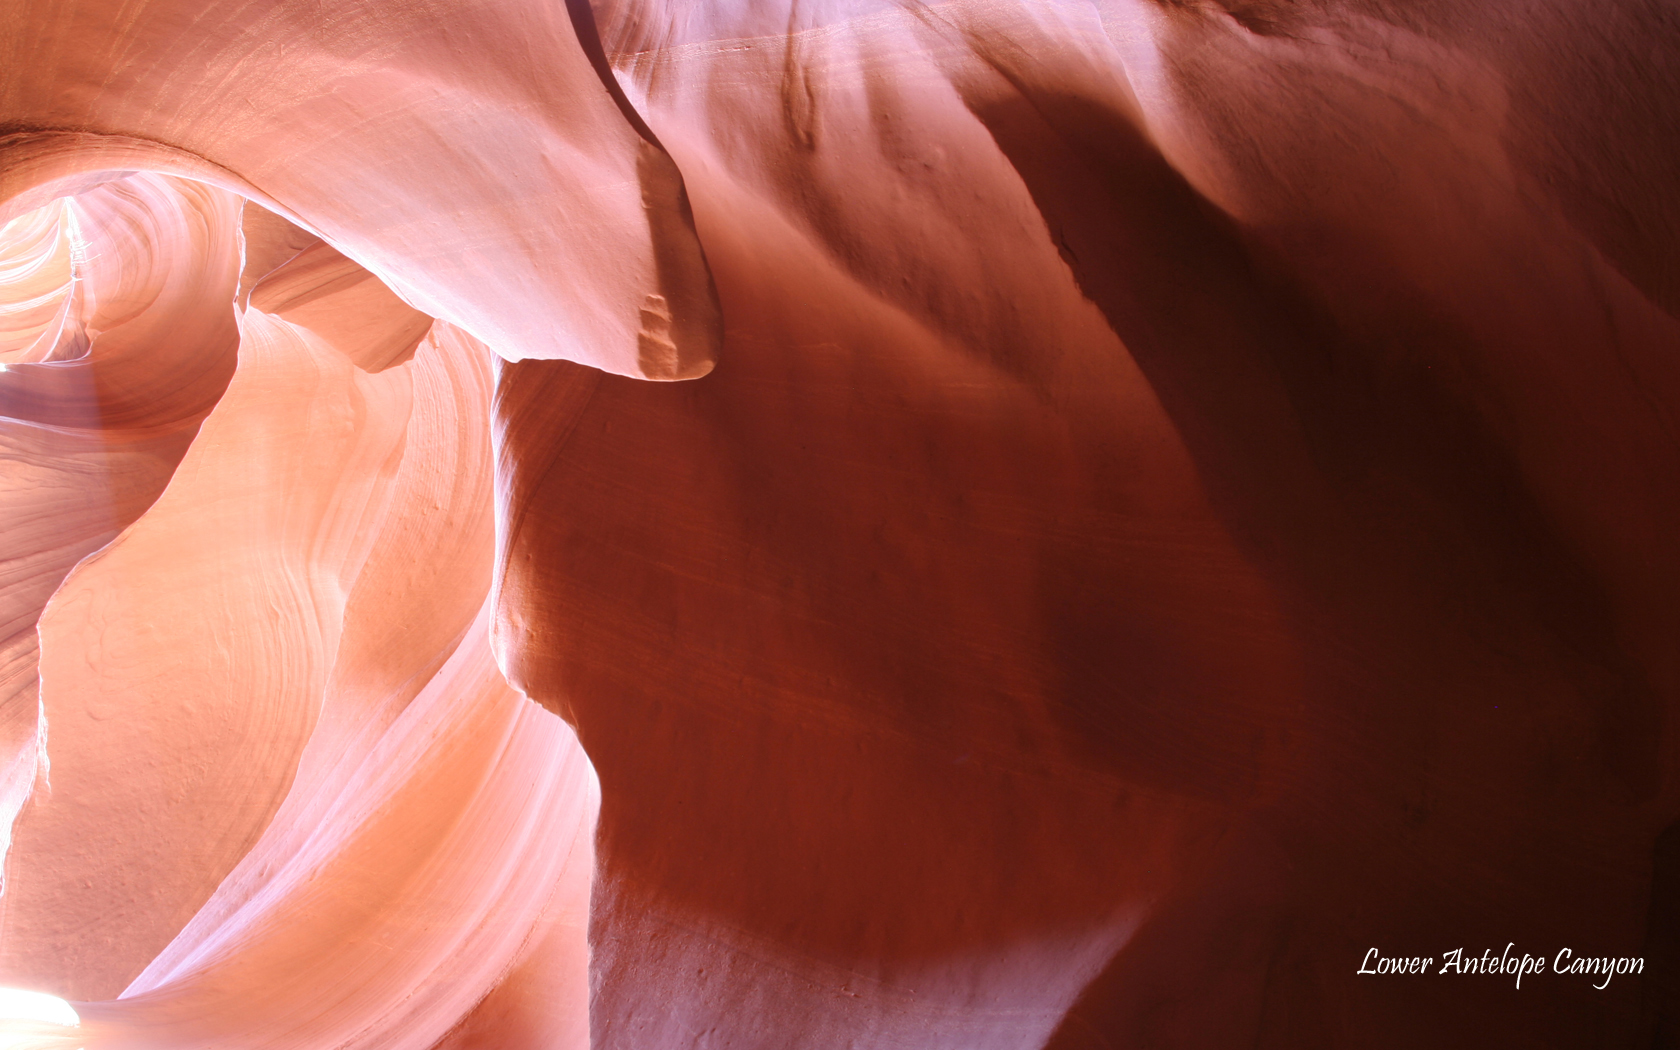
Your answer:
<point x="1183" y="497"/>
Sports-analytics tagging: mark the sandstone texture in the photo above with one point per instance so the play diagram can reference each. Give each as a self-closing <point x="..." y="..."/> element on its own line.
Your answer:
<point x="1142" y="502"/>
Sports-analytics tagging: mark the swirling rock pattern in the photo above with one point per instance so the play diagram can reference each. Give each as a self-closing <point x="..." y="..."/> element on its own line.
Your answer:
<point x="282" y="785"/>
<point x="1183" y="498"/>
<point x="120" y="341"/>
<point x="612" y="275"/>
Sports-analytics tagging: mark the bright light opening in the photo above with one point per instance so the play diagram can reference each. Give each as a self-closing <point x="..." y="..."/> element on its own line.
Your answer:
<point x="19" y="1005"/>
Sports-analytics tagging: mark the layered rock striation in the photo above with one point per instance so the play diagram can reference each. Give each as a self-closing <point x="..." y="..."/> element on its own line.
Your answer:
<point x="1182" y="499"/>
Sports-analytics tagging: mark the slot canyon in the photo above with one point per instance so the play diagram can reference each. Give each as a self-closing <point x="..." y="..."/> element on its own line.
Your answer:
<point x="839" y="524"/>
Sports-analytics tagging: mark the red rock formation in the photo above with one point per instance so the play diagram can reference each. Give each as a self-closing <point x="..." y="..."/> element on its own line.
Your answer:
<point x="1182" y="500"/>
<point x="117" y="344"/>
<point x="346" y="121"/>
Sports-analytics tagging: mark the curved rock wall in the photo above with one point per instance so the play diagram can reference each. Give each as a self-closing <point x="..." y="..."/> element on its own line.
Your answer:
<point x="1182" y="499"/>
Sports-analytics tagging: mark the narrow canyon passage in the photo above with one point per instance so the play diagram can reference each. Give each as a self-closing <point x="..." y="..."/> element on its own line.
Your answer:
<point x="963" y="525"/>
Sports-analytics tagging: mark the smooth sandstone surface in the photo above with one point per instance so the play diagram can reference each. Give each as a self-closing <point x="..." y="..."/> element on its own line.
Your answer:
<point x="1184" y="497"/>
<point x="117" y="344"/>
<point x="1304" y="583"/>
<point x="323" y="112"/>
<point x="340" y="791"/>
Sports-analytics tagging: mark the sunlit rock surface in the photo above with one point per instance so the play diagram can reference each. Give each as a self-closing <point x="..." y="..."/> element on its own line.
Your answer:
<point x="284" y="756"/>
<point x="117" y="343"/>
<point x="354" y="119"/>
<point x="1184" y="498"/>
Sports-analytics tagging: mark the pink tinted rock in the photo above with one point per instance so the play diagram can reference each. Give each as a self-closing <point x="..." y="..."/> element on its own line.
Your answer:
<point x="419" y="142"/>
